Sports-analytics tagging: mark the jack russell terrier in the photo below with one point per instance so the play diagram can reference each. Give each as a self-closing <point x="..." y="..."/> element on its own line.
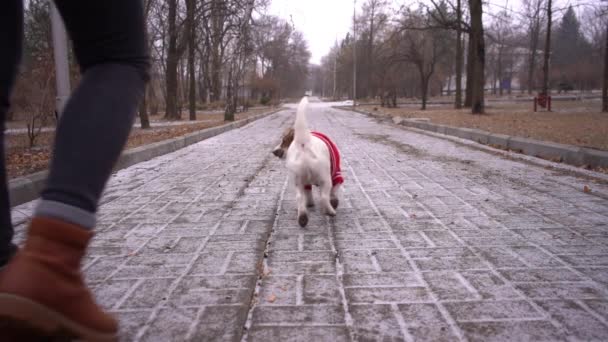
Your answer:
<point x="313" y="159"/>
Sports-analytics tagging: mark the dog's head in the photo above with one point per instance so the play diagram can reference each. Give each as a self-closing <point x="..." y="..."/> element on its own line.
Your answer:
<point x="281" y="149"/>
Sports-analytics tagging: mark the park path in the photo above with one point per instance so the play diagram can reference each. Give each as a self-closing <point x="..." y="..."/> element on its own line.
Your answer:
<point x="433" y="241"/>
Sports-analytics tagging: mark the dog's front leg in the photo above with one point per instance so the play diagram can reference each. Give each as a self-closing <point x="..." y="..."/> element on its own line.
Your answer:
<point x="333" y="196"/>
<point x="326" y="199"/>
<point x="301" y="202"/>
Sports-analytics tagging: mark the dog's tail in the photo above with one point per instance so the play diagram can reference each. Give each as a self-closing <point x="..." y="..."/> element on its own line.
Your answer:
<point x="302" y="134"/>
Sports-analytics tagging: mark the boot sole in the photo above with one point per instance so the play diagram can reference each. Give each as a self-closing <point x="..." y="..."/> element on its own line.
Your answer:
<point x="25" y="318"/>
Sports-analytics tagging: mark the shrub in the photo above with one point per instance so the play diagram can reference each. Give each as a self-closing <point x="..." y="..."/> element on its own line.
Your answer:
<point x="265" y="100"/>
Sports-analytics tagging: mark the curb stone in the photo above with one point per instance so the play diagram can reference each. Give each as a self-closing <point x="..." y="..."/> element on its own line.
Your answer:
<point x="516" y="99"/>
<point x="568" y="154"/>
<point x="27" y="188"/>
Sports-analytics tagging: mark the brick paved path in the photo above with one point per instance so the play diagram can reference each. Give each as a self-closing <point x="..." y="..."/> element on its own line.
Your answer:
<point x="433" y="241"/>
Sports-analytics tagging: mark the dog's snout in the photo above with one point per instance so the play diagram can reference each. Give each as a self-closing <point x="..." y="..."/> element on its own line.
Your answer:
<point x="278" y="152"/>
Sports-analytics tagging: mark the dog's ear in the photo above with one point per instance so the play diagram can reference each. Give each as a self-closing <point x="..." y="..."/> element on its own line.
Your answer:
<point x="278" y="152"/>
<point x="287" y="138"/>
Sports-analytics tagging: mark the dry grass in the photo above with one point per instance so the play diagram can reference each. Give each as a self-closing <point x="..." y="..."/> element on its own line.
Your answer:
<point x="22" y="160"/>
<point x="571" y="122"/>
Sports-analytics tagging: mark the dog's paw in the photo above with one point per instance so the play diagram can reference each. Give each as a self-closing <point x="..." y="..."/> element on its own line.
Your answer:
<point x="334" y="202"/>
<point x="303" y="220"/>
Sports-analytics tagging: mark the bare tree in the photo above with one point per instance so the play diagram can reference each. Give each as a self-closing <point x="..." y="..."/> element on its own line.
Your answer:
<point x="423" y="49"/>
<point x="178" y="35"/>
<point x="500" y="36"/>
<point x="470" y="71"/>
<point x="422" y="53"/>
<point x="605" y="81"/>
<point x="547" y="52"/>
<point x="191" y="30"/>
<point x="533" y="18"/>
<point x="596" y="29"/>
<point x="34" y="96"/>
<point x="144" y="119"/>
<point x="241" y="52"/>
<point x="201" y="51"/>
<point x="443" y="18"/>
<point x="172" y="111"/>
<point x="40" y="107"/>
<point x="283" y="57"/>
<point x="458" y="68"/>
<point x="373" y="19"/>
<point x="218" y="32"/>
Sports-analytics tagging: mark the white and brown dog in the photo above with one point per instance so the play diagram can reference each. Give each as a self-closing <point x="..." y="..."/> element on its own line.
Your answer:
<point x="313" y="159"/>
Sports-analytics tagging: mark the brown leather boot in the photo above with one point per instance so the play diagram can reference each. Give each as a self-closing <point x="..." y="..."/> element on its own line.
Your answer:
<point x="42" y="289"/>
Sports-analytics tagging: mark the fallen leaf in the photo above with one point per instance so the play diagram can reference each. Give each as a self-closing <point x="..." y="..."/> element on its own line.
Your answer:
<point x="271" y="298"/>
<point x="586" y="189"/>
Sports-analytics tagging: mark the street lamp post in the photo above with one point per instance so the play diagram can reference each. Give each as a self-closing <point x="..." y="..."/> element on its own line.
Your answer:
<point x="335" y="66"/>
<point x="354" y="53"/>
<point x="60" y="52"/>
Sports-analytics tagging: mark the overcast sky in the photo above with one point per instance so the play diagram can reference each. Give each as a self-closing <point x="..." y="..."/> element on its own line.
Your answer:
<point x="322" y="21"/>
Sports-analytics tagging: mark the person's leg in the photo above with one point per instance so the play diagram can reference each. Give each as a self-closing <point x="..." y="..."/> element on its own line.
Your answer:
<point x="90" y="136"/>
<point x="11" y="35"/>
<point x="111" y="50"/>
<point x="42" y="286"/>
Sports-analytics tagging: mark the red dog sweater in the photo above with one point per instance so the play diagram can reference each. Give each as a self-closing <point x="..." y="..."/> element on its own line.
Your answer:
<point x="334" y="156"/>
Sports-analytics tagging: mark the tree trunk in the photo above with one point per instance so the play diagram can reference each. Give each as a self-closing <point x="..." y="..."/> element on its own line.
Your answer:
<point x="547" y="51"/>
<point x="458" y="99"/>
<point x="531" y="66"/>
<point x="499" y="71"/>
<point x="448" y="88"/>
<point x="468" y="96"/>
<point x="201" y="85"/>
<point x="477" y="100"/>
<point x="230" y="108"/>
<point x="191" y="6"/>
<point x="143" y="111"/>
<point x="216" y="83"/>
<point x="424" y="90"/>
<point x="152" y="100"/>
<point x="182" y="86"/>
<point x="494" y="74"/>
<point x="144" y="117"/>
<point x="216" y="41"/>
<point x="605" y="85"/>
<point x="532" y="60"/>
<point x="203" y="77"/>
<point x="370" y="58"/>
<point x="172" y="61"/>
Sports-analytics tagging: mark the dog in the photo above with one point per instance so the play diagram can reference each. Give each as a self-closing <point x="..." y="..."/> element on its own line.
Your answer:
<point x="312" y="159"/>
